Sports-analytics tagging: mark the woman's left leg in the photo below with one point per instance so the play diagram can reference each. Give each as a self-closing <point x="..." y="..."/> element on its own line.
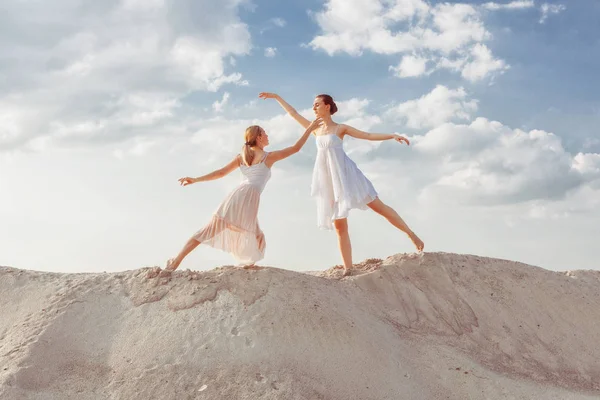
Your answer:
<point x="173" y="263"/>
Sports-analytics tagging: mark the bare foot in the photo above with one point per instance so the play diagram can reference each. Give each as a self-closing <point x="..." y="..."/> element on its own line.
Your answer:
<point x="157" y="272"/>
<point x="347" y="272"/>
<point x="251" y="266"/>
<point x="153" y="273"/>
<point x="417" y="242"/>
<point x="172" y="264"/>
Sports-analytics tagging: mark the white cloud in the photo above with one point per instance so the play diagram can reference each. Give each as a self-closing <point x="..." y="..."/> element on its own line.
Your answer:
<point x="481" y="64"/>
<point x="587" y="164"/>
<point x="81" y="129"/>
<point x="10" y="123"/>
<point x="144" y="109"/>
<point x="446" y="35"/>
<point x="476" y="64"/>
<point x="219" y="106"/>
<point x="549" y="9"/>
<point x="513" y="5"/>
<point x="121" y="66"/>
<point x="439" y="106"/>
<point x="137" y="146"/>
<point x="487" y="162"/>
<point x="279" y="22"/>
<point x="273" y="23"/>
<point x="411" y="66"/>
<point x="270" y="52"/>
<point x="143" y="5"/>
<point x="201" y="67"/>
<point x="584" y="200"/>
<point x="591" y="142"/>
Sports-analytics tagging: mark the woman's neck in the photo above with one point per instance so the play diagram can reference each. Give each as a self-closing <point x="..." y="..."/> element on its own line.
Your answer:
<point x="327" y="121"/>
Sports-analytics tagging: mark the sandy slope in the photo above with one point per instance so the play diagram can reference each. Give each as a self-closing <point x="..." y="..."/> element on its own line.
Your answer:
<point x="440" y="326"/>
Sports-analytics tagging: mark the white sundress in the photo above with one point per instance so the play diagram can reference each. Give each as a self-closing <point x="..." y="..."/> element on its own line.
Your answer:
<point x="337" y="183"/>
<point x="234" y="226"/>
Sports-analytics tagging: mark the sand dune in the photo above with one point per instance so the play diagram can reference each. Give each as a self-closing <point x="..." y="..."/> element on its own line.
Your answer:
<point x="438" y="326"/>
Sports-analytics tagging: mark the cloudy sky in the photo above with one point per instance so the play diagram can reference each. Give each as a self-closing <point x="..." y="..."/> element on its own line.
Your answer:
<point x="104" y="105"/>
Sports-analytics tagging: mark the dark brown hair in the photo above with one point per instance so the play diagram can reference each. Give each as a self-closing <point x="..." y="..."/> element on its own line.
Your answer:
<point x="327" y="99"/>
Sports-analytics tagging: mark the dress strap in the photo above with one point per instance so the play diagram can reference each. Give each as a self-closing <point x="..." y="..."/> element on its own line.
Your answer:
<point x="264" y="157"/>
<point x="337" y="128"/>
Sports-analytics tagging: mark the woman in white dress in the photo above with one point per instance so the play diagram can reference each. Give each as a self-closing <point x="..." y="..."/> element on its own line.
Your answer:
<point x="337" y="184"/>
<point x="234" y="225"/>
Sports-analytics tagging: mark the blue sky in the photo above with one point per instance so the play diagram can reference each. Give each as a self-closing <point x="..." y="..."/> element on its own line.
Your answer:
<point x="104" y="105"/>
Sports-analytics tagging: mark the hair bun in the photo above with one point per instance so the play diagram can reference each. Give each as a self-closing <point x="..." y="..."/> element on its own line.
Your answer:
<point x="327" y="99"/>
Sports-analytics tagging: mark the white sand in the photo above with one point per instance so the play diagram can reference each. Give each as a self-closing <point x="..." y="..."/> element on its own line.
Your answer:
<point x="441" y="326"/>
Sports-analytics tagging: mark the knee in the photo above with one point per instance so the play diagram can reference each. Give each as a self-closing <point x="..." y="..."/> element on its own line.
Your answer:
<point x="341" y="226"/>
<point x="384" y="210"/>
<point x="388" y="211"/>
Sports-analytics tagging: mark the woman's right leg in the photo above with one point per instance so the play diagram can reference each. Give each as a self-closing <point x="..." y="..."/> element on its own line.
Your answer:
<point x="392" y="216"/>
<point x="341" y="228"/>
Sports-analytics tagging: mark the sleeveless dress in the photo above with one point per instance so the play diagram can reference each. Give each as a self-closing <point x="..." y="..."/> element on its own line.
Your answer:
<point x="234" y="226"/>
<point x="337" y="183"/>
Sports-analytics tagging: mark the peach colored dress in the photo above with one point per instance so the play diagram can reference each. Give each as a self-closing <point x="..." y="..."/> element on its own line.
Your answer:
<point x="234" y="226"/>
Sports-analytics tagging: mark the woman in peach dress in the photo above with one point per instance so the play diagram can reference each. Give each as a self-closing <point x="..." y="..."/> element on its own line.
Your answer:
<point x="234" y="226"/>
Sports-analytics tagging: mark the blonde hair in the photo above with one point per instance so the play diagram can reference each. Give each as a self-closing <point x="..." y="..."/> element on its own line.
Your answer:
<point x="252" y="133"/>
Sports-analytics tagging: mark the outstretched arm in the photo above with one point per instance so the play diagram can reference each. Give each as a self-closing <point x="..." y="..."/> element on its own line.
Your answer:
<point x="356" y="133"/>
<point x="288" y="151"/>
<point x="289" y="109"/>
<point x="233" y="164"/>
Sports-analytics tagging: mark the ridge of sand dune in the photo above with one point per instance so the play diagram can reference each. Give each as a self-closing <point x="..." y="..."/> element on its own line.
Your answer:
<point x="437" y="326"/>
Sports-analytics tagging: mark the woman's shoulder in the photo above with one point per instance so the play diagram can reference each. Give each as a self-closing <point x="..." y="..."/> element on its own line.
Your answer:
<point x="340" y="128"/>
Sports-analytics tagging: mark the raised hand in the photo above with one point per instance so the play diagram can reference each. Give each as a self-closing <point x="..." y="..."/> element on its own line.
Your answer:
<point x="267" y="95"/>
<point x="401" y="139"/>
<point x="186" y="181"/>
<point x="315" y="124"/>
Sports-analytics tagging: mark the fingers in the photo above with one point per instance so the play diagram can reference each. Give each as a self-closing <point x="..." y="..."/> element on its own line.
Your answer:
<point x="401" y="139"/>
<point x="265" y="95"/>
<point x="316" y="123"/>
<point x="185" y="181"/>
